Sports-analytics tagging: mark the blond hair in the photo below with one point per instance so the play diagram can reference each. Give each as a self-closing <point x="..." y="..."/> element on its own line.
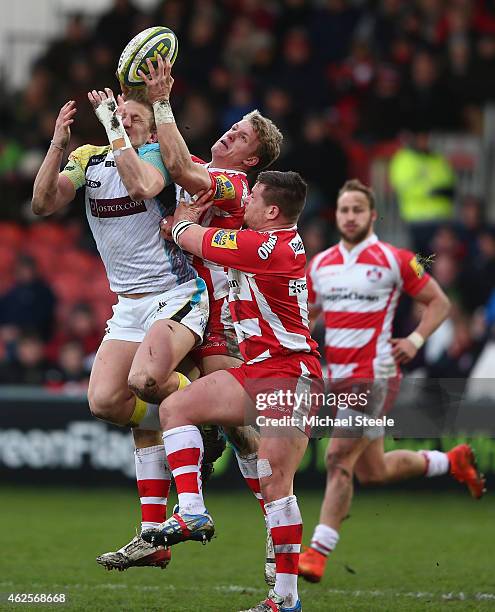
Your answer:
<point x="270" y="138"/>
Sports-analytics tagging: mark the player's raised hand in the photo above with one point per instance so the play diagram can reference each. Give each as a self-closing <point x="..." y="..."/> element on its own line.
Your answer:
<point x="159" y="80"/>
<point x="61" y="133"/>
<point x="403" y="350"/>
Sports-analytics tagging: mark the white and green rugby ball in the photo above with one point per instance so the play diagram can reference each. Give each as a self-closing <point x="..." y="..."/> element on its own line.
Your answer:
<point x="147" y="44"/>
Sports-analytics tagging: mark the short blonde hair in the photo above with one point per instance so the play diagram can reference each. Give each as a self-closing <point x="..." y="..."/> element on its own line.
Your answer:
<point x="270" y="138"/>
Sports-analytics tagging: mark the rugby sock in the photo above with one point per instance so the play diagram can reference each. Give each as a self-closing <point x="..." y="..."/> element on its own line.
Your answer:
<point x="249" y="471"/>
<point x="324" y="539"/>
<point x="145" y="416"/>
<point x="285" y="522"/>
<point x="153" y="483"/>
<point x="184" y="448"/>
<point x="437" y="463"/>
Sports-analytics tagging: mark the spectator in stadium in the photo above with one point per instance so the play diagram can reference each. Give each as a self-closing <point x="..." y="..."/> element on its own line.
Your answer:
<point x="30" y="304"/>
<point x="424" y="183"/>
<point x="356" y="285"/>
<point x="80" y="326"/>
<point x="269" y="250"/>
<point x="28" y="366"/>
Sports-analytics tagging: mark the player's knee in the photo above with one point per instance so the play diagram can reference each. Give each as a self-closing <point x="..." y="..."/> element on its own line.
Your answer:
<point x="338" y="465"/>
<point x="104" y="407"/>
<point x="145" y="386"/>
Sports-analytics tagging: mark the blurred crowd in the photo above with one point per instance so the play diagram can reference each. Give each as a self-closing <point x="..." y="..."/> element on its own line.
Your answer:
<point x="342" y="79"/>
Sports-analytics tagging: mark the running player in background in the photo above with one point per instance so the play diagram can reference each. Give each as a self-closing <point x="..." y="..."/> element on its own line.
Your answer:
<point x="268" y="304"/>
<point x="162" y="306"/>
<point x="250" y="145"/>
<point x="356" y="284"/>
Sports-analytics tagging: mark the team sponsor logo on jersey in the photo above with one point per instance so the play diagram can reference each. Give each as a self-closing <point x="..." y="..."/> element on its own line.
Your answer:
<point x="266" y="249"/>
<point x="374" y="275"/>
<point x="117" y="207"/>
<point x="225" y="239"/>
<point x="340" y="295"/>
<point x="297" y="286"/>
<point x="93" y="184"/>
<point x="417" y="267"/>
<point x="296" y="244"/>
<point x="69" y="167"/>
<point x="94" y="160"/>
<point x="225" y="189"/>
<point x="110" y="164"/>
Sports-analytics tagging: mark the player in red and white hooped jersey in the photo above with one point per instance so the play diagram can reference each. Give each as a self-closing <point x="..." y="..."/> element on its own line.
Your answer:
<point x="268" y="302"/>
<point x="358" y="292"/>
<point x="356" y="284"/>
<point x="231" y="190"/>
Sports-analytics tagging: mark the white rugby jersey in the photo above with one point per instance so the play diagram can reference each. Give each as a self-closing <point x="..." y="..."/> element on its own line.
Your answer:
<point x="358" y="291"/>
<point x="127" y="232"/>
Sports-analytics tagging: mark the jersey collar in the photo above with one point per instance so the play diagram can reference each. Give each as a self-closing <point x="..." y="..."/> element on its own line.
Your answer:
<point x="354" y="253"/>
<point x="224" y="170"/>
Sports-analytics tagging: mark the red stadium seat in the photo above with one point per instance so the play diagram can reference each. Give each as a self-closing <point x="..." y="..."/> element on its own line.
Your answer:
<point x="12" y="235"/>
<point x="69" y="288"/>
<point x="50" y="233"/>
<point x="77" y="262"/>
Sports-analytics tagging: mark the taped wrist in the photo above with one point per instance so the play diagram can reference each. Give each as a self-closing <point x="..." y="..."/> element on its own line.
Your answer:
<point x="112" y="122"/>
<point x="416" y="339"/>
<point x="179" y="228"/>
<point x="163" y="112"/>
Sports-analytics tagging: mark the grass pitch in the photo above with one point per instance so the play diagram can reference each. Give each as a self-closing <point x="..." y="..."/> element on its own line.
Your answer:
<point x="399" y="551"/>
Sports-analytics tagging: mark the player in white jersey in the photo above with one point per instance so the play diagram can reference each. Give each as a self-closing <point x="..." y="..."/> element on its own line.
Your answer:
<point x="251" y="144"/>
<point x="356" y="284"/>
<point x="162" y="307"/>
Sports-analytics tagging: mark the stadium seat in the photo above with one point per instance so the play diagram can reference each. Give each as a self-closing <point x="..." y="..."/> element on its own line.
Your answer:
<point x="50" y="233"/>
<point x="69" y="288"/>
<point x="77" y="262"/>
<point x="12" y="235"/>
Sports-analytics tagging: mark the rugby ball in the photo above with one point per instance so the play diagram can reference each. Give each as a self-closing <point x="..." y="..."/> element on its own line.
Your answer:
<point x="149" y="43"/>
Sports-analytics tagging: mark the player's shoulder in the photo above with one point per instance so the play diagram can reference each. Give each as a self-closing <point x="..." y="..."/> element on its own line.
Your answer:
<point x="90" y="155"/>
<point x="406" y="260"/>
<point x="329" y="257"/>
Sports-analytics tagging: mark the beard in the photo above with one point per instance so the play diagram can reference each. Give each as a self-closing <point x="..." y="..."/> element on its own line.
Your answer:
<point x="357" y="237"/>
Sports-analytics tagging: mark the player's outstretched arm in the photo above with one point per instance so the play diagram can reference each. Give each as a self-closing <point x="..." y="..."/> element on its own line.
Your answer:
<point x="437" y="308"/>
<point x="52" y="190"/>
<point x="141" y="179"/>
<point x="176" y="156"/>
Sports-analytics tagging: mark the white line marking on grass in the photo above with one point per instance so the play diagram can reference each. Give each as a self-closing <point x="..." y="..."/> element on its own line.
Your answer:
<point x="452" y="596"/>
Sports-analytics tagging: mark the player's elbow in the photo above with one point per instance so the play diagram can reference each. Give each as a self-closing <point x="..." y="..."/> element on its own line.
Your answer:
<point x="140" y="192"/>
<point x="40" y="206"/>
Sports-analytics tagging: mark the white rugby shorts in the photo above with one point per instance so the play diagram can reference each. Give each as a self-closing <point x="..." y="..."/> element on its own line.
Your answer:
<point x="186" y="304"/>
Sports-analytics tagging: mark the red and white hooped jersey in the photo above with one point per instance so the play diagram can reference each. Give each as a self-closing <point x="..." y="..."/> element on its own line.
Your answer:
<point x="358" y="291"/>
<point x="231" y="192"/>
<point x="268" y="296"/>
